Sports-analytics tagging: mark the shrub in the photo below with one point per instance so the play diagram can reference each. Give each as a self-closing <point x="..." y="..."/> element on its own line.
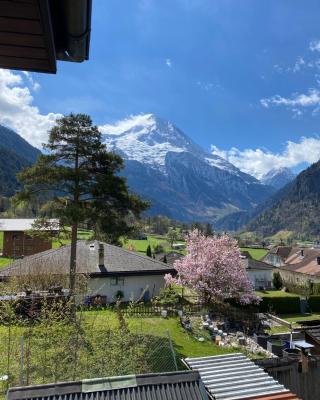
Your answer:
<point x="148" y="252"/>
<point x="119" y="295"/>
<point x="280" y="305"/>
<point x="314" y="303"/>
<point x="277" y="281"/>
<point x="158" y="248"/>
<point x="168" y="296"/>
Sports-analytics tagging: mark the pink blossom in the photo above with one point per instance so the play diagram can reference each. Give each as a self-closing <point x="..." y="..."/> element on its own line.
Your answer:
<point x="212" y="267"/>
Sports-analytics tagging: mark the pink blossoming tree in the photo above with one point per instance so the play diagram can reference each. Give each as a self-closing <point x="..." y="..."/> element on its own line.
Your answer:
<point x="213" y="268"/>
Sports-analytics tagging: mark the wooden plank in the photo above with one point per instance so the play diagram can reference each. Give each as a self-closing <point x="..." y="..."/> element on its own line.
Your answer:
<point x="15" y="9"/>
<point x="23" y="52"/>
<point x="20" y="26"/>
<point x="26" y="64"/>
<point x="21" y="39"/>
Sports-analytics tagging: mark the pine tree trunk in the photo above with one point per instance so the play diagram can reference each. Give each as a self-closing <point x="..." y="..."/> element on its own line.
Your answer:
<point x="73" y="265"/>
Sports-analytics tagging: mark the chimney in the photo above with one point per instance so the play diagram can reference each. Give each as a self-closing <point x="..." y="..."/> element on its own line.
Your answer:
<point x="101" y="255"/>
<point x="302" y="253"/>
<point x="318" y="260"/>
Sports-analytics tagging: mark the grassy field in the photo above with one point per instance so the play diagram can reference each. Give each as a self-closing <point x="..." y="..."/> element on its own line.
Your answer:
<point x="141" y="245"/>
<point x="257" y="254"/>
<point x="101" y="347"/>
<point x="185" y="344"/>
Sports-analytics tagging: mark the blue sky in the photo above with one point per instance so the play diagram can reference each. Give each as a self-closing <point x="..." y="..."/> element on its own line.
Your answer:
<point x="229" y="73"/>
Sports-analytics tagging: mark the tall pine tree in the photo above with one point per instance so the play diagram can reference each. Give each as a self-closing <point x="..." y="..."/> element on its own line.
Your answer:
<point x="82" y="178"/>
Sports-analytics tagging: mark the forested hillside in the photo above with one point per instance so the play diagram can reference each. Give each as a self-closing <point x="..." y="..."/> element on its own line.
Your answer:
<point x="297" y="209"/>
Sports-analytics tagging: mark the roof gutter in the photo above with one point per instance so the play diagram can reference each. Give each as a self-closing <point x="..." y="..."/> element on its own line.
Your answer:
<point x="77" y="28"/>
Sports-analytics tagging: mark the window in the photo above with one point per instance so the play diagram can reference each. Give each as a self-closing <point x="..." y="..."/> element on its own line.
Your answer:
<point x="117" y="281"/>
<point x="16" y="236"/>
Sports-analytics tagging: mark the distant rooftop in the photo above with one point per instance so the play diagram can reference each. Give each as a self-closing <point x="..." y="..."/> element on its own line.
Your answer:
<point x="185" y="385"/>
<point x="25" y="224"/>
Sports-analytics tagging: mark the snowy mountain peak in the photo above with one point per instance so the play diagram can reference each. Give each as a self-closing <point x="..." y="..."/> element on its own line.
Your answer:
<point x="278" y="177"/>
<point x="148" y="139"/>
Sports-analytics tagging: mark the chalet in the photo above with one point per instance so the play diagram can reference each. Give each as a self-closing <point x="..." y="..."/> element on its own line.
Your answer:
<point x="259" y="272"/>
<point x="111" y="271"/>
<point x="36" y="33"/>
<point x="17" y="240"/>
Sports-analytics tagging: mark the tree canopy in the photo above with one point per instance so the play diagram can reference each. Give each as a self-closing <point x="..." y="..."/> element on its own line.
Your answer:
<point x="213" y="268"/>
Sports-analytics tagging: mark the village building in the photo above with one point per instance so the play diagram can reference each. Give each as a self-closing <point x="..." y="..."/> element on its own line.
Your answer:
<point x="18" y="240"/>
<point x="111" y="271"/>
<point x="302" y="266"/>
<point x="277" y="255"/>
<point x="259" y="272"/>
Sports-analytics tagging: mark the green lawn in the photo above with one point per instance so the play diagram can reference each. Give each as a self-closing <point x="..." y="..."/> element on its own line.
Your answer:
<point x="99" y="348"/>
<point x="4" y="261"/>
<point x="185" y="344"/>
<point x="141" y="245"/>
<point x="300" y="317"/>
<point x="257" y="254"/>
<point x="275" y="293"/>
<point x="82" y="235"/>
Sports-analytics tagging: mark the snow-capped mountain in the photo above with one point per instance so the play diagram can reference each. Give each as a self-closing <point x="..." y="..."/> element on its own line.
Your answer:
<point x="278" y="177"/>
<point x="181" y="179"/>
<point x="148" y="139"/>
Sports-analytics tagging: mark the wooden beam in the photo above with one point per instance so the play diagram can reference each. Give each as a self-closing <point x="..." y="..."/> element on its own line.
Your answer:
<point x="20" y="25"/>
<point x="25" y="64"/>
<point x="16" y="9"/>
<point x="22" y="39"/>
<point x="23" y="52"/>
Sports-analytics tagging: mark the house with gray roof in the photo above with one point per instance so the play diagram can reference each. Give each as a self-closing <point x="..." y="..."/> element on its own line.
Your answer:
<point x="110" y="270"/>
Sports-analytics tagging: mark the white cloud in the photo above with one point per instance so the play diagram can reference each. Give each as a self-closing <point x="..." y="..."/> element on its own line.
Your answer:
<point x="258" y="162"/>
<point x="310" y="99"/>
<point x="169" y="62"/>
<point x="17" y="110"/>
<point x="314" y="45"/>
<point x="298" y="64"/>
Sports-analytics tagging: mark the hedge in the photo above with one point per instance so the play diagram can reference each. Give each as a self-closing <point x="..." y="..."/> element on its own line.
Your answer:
<point x="280" y="305"/>
<point x="314" y="303"/>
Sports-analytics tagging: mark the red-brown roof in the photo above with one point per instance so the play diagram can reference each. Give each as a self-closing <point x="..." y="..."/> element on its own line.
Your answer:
<point x="306" y="264"/>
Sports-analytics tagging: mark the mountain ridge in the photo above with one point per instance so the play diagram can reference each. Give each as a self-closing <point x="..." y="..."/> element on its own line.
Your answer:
<point x="163" y="163"/>
<point x="15" y="155"/>
<point x="295" y="207"/>
<point x="278" y="177"/>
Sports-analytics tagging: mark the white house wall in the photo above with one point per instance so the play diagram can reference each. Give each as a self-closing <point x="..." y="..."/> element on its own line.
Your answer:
<point x="260" y="278"/>
<point x="132" y="287"/>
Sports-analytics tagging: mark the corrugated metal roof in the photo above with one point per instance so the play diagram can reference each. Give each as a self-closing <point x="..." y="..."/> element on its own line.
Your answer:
<point x="234" y="377"/>
<point x="185" y="385"/>
<point x="24" y="224"/>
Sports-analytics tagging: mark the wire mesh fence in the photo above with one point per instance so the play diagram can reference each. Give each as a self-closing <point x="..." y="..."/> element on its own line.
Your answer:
<point x="93" y="346"/>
